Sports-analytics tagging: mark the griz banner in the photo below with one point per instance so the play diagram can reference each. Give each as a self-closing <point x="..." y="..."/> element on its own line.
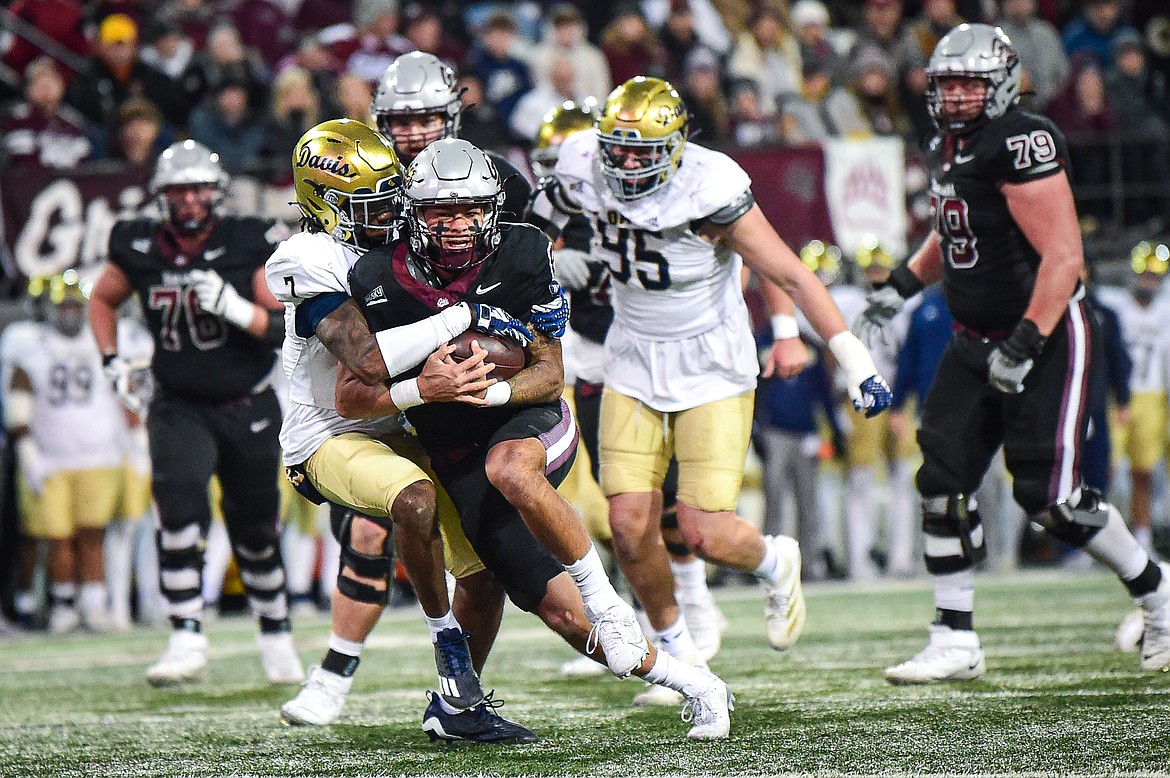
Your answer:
<point x="789" y="186"/>
<point x="53" y="222"/>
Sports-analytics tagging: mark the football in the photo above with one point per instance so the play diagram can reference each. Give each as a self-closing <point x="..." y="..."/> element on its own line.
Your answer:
<point x="506" y="354"/>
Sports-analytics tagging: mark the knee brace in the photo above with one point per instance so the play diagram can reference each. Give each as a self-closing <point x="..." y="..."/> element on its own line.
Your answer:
<point x="1076" y="520"/>
<point x="377" y="566"/>
<point x="954" y="533"/>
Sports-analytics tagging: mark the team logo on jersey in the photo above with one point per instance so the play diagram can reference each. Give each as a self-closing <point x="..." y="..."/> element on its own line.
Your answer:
<point x="442" y="302"/>
<point x="377" y="296"/>
<point x="334" y="165"/>
<point x="141" y="245"/>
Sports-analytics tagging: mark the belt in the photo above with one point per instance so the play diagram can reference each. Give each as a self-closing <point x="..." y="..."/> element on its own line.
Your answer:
<point x="983" y="335"/>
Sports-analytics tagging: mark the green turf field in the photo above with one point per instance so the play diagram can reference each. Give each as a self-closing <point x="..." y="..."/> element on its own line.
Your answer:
<point x="1058" y="699"/>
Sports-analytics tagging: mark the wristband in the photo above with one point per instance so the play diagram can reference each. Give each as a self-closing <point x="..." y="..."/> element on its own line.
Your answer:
<point x="904" y="281"/>
<point x="498" y="394"/>
<point x="784" y="327"/>
<point x="405" y="394"/>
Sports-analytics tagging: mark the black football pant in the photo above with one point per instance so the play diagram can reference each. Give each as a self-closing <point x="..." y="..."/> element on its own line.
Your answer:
<point x="1042" y="431"/>
<point x="238" y="442"/>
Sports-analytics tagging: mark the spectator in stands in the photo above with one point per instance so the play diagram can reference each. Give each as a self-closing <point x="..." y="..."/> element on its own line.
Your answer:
<point x="531" y="108"/>
<point x="1140" y="99"/>
<point x="226" y="59"/>
<point x="679" y="37"/>
<point x="750" y="125"/>
<point x="57" y="20"/>
<point x="882" y="29"/>
<point x="169" y="49"/>
<point x="874" y="87"/>
<point x="375" y="41"/>
<point x="322" y="67"/>
<point x="1082" y="113"/>
<point x="821" y="111"/>
<point x="631" y="48"/>
<point x="1095" y="30"/>
<point x="810" y="21"/>
<point x="710" y="121"/>
<point x="938" y="18"/>
<point x="116" y="73"/>
<point x="41" y="131"/>
<point x="296" y="107"/>
<point x="194" y="17"/>
<point x="768" y="53"/>
<point x="786" y="434"/>
<point x="138" y="136"/>
<point x="424" y="29"/>
<point x="479" y="122"/>
<point x="505" y="77"/>
<point x="266" y="28"/>
<point x="1046" y="66"/>
<point x="354" y="94"/>
<point x="227" y="125"/>
<point x="317" y="15"/>
<point x="564" y="37"/>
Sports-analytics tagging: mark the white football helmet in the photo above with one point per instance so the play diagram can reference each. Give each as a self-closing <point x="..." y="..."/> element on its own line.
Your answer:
<point x="417" y="84"/>
<point x="975" y="51"/>
<point x="188" y="163"/>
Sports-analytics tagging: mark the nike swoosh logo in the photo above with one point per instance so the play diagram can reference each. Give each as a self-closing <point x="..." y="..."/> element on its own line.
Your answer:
<point x="260" y="426"/>
<point x="211" y="254"/>
<point x="973" y="667"/>
<point x="961" y="160"/>
<point x="486" y="289"/>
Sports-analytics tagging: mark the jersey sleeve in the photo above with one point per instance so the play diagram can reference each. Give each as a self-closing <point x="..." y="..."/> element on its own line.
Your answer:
<point x="1028" y="148"/>
<point x="536" y="288"/>
<point x="363" y="277"/>
<point x="307" y="266"/>
<point x="125" y="237"/>
<point x="724" y="193"/>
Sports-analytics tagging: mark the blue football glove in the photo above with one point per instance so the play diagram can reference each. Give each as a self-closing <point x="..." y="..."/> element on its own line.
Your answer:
<point x="551" y="317"/>
<point x="497" y="321"/>
<point x="875" y="396"/>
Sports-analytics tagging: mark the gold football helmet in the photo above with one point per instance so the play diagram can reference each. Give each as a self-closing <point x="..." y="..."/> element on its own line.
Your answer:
<point x="824" y="260"/>
<point x="642" y="131"/>
<point x="871" y="253"/>
<point x="347" y="181"/>
<point x="1149" y="258"/>
<point x="67" y="300"/>
<point x="566" y="119"/>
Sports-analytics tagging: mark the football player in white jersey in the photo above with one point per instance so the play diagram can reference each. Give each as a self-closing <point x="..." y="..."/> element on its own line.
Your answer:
<point x="70" y="433"/>
<point x="670" y="218"/>
<point x="347" y="178"/>
<point x="1143" y="314"/>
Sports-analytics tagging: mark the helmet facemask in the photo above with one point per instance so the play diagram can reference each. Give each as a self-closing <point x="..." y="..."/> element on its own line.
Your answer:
<point x="656" y="158"/>
<point x="190" y="208"/>
<point x="455" y="244"/>
<point x="67" y="300"/>
<point x="189" y="185"/>
<point x="409" y="138"/>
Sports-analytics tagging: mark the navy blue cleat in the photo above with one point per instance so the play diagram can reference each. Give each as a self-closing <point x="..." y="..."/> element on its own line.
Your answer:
<point x="458" y="681"/>
<point x="479" y="724"/>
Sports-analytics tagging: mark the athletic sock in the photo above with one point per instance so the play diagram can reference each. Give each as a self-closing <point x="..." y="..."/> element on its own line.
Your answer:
<point x="954" y="599"/>
<point x="676" y="640"/>
<point x="595" y="587"/>
<point x="446" y="621"/>
<point x="343" y="656"/>
<point x="688" y="680"/>
<point x="771" y="567"/>
<point x="690" y="577"/>
<point x="1115" y="547"/>
<point x="63" y="594"/>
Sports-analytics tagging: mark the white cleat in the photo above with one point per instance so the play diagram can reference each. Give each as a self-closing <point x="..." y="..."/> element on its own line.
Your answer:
<point x="1156" y="625"/>
<point x="950" y="655"/>
<point x="1129" y="632"/>
<point x="709" y="713"/>
<point x="582" y="667"/>
<point x="655" y="695"/>
<point x="616" y="631"/>
<point x="184" y="660"/>
<point x="319" y="701"/>
<point x="278" y="657"/>
<point x="97" y="620"/>
<point x="784" y="611"/>
<point x="705" y="622"/>
<point x="63" y="620"/>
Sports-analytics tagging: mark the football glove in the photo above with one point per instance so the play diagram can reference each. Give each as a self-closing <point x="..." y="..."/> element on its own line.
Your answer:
<point x="869" y="391"/>
<point x="497" y="321"/>
<point x="126" y="378"/>
<point x="881" y="306"/>
<point x="571" y="268"/>
<point x="31" y="464"/>
<point x="551" y="317"/>
<point x="221" y="298"/>
<point x="1009" y="363"/>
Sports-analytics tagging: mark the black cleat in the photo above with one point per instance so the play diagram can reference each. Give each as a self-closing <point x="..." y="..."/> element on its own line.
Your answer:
<point x="479" y="724"/>
<point x="458" y="681"/>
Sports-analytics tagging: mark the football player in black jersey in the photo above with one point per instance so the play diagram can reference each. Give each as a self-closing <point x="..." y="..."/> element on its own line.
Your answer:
<point x="200" y="278"/>
<point x="500" y="460"/>
<point x="1007" y="249"/>
<point x="417" y="103"/>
